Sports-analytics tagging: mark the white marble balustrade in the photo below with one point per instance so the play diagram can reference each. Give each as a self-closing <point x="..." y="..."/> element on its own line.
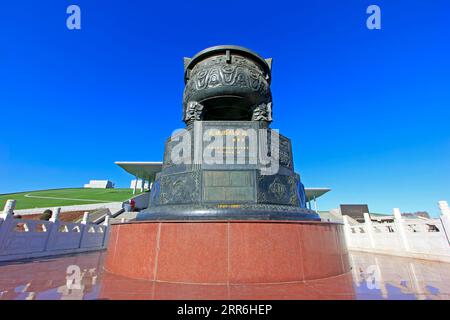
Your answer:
<point x="23" y="239"/>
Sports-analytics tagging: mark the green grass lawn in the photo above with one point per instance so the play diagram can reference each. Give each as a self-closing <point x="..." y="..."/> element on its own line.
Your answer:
<point x="74" y="197"/>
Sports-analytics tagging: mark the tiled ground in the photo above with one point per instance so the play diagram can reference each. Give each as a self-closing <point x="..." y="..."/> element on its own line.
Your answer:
<point x="372" y="277"/>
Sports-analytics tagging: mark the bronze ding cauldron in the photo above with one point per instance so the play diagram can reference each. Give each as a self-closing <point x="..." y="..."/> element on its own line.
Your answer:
<point x="227" y="83"/>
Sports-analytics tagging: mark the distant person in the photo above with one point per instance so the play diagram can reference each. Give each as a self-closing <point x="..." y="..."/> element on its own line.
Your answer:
<point x="132" y="204"/>
<point x="46" y="215"/>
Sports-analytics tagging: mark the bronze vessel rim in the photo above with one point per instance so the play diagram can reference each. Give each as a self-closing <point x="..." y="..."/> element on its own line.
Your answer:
<point x="215" y="50"/>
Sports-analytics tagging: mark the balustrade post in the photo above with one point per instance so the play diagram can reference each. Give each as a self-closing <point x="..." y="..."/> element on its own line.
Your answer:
<point x="6" y="219"/>
<point x="347" y="231"/>
<point x="399" y="223"/>
<point x="83" y="228"/>
<point x="107" y="230"/>
<point x="85" y="218"/>
<point x="55" y="215"/>
<point x="53" y="228"/>
<point x="445" y="218"/>
<point x="369" y="229"/>
<point x="106" y="222"/>
<point x="8" y="210"/>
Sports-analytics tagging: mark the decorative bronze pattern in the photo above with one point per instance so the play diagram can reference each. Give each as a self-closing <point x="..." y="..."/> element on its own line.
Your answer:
<point x="285" y="152"/>
<point x="180" y="188"/>
<point x="239" y="76"/>
<point x="278" y="189"/>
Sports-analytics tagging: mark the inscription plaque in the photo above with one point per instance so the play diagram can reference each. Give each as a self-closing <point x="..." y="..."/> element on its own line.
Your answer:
<point x="228" y="186"/>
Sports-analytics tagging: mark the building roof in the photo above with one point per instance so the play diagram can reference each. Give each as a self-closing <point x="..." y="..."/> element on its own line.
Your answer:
<point x="314" y="193"/>
<point x="148" y="170"/>
<point x="143" y="170"/>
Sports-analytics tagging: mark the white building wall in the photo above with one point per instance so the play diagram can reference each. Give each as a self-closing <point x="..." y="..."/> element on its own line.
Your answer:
<point x="99" y="184"/>
<point x="139" y="184"/>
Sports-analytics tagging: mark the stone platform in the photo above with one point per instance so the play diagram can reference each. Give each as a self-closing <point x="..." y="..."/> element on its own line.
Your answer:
<point x="399" y="279"/>
<point x="227" y="252"/>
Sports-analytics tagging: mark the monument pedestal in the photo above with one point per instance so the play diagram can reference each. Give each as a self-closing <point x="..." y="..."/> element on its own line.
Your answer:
<point x="227" y="207"/>
<point x="227" y="252"/>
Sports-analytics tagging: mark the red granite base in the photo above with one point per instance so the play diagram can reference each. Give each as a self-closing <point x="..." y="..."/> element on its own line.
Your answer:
<point x="227" y="252"/>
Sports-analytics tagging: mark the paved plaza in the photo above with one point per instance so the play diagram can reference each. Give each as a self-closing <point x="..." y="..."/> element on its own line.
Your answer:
<point x="373" y="277"/>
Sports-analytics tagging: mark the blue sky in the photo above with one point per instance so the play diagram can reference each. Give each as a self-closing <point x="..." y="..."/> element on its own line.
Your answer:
<point x="367" y="110"/>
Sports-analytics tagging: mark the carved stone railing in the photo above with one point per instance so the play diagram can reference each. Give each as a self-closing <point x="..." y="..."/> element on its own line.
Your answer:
<point x="424" y="239"/>
<point x="23" y="239"/>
